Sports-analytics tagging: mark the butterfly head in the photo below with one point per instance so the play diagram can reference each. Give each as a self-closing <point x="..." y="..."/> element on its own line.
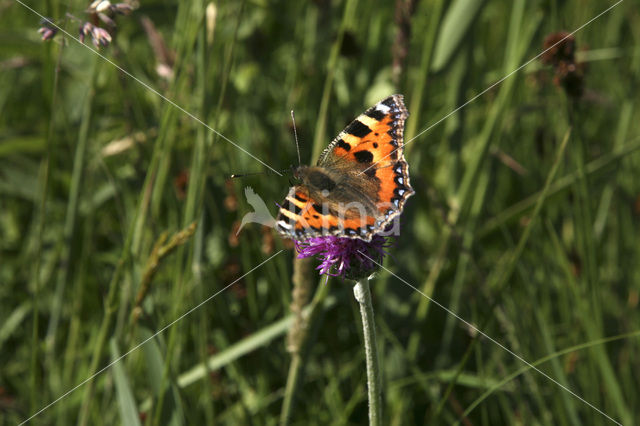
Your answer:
<point x="296" y="175"/>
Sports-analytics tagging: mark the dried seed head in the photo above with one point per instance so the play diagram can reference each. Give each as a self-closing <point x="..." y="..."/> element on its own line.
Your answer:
<point x="561" y="48"/>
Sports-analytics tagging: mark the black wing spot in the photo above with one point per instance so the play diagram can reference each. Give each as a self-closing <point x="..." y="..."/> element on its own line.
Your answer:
<point x="342" y="144"/>
<point x="293" y="208"/>
<point x="389" y="102"/>
<point x="375" y="144"/>
<point x="317" y="207"/>
<point x="371" y="172"/>
<point x="363" y="156"/>
<point x="358" y="129"/>
<point x="375" y="114"/>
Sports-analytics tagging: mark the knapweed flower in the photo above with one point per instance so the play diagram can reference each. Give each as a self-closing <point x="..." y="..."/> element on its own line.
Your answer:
<point x="350" y="258"/>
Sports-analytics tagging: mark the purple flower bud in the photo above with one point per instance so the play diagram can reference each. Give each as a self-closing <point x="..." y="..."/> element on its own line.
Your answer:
<point x="122" y="8"/>
<point x="85" y="29"/>
<point x="104" y="18"/>
<point x="345" y="257"/>
<point x="47" y="33"/>
<point x="100" y="6"/>
<point x="100" y="37"/>
<point x="48" y="30"/>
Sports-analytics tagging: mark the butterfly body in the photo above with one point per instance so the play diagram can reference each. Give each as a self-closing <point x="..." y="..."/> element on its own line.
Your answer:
<point x="360" y="183"/>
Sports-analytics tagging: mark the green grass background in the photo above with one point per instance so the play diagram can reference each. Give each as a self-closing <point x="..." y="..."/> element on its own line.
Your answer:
<point x="525" y="222"/>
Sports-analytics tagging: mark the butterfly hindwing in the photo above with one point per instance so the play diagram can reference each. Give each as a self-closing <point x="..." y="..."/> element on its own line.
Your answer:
<point x="302" y="217"/>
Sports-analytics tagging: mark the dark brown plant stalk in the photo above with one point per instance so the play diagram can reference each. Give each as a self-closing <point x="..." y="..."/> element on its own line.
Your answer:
<point x="296" y="337"/>
<point x="302" y="270"/>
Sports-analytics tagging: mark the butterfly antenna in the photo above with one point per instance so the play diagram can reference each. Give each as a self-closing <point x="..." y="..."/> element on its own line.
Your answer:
<point x="295" y="134"/>
<point x="242" y="175"/>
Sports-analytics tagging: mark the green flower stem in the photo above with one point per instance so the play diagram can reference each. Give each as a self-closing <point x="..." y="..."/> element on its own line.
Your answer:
<point x="363" y="296"/>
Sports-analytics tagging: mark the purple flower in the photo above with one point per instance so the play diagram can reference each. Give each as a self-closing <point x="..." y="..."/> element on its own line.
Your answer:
<point x="350" y="258"/>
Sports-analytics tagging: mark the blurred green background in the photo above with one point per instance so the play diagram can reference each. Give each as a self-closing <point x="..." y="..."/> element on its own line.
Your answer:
<point x="525" y="221"/>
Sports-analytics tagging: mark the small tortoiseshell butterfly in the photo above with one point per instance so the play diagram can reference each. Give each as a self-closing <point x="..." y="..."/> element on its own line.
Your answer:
<point x="360" y="183"/>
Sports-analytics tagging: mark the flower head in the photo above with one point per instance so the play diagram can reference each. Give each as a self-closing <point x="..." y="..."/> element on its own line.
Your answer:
<point x="350" y="258"/>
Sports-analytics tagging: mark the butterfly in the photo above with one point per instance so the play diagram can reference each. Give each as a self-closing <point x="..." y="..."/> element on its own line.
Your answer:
<point x="360" y="183"/>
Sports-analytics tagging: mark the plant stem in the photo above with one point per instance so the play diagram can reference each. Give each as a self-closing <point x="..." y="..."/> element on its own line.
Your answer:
<point x="293" y="380"/>
<point x="363" y="296"/>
